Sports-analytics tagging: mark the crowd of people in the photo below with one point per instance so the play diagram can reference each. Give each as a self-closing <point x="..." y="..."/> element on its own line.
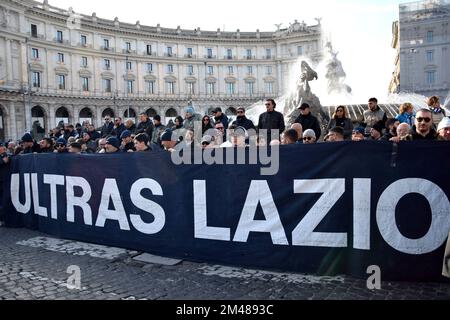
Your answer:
<point x="217" y="130"/>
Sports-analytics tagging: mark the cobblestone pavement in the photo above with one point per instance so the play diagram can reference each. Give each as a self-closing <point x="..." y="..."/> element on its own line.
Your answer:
<point x="34" y="266"/>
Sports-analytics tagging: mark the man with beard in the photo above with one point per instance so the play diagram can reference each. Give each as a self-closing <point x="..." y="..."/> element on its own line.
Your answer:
<point x="46" y="145"/>
<point x="423" y="128"/>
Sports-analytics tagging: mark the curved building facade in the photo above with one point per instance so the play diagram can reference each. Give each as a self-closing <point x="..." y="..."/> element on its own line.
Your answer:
<point x="57" y="65"/>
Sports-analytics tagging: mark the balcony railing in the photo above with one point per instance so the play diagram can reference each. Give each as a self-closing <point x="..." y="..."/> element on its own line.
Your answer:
<point x="61" y="41"/>
<point x="190" y="56"/>
<point x="170" y="55"/>
<point x="227" y="57"/>
<point x="147" y="53"/>
<point x="110" y="49"/>
<point x="128" y="51"/>
<point x="247" y="57"/>
<point x="209" y="56"/>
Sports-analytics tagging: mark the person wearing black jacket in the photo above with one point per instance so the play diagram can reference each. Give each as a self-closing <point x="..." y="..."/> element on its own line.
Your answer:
<point x="242" y="120"/>
<point x="308" y="121"/>
<point x="119" y="127"/>
<point x="220" y="117"/>
<point x="145" y="126"/>
<point x="271" y="119"/>
<point x="107" y="128"/>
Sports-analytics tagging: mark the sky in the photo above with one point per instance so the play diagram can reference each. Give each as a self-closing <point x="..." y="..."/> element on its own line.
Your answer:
<point x="361" y="30"/>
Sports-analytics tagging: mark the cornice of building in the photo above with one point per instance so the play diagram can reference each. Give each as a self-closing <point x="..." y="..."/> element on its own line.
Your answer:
<point x="94" y="24"/>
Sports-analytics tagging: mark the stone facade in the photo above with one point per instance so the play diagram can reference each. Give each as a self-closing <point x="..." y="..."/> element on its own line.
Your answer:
<point x="422" y="40"/>
<point x="58" y="65"/>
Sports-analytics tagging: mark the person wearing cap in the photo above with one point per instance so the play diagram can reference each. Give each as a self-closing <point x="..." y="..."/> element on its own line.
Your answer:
<point x="341" y="119"/>
<point x="28" y="145"/>
<point x="112" y="145"/>
<point x="75" y="147"/>
<point x="190" y="118"/>
<point x="141" y="143"/>
<point x="46" y="145"/>
<point x="206" y="141"/>
<point x="423" y="128"/>
<point x="271" y="119"/>
<point x="443" y="129"/>
<point x="145" y="125"/>
<point x="242" y="120"/>
<point x="219" y="116"/>
<point x="307" y="120"/>
<point x="119" y="127"/>
<point x="91" y="146"/>
<point x="60" y="145"/>
<point x="309" y="136"/>
<point x="358" y="134"/>
<point x="168" y="140"/>
<point x="335" y="134"/>
<point x="158" y="129"/>
<point x="127" y="142"/>
<point x="376" y="132"/>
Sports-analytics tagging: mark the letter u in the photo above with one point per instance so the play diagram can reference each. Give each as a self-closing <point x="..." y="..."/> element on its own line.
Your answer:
<point x="15" y="192"/>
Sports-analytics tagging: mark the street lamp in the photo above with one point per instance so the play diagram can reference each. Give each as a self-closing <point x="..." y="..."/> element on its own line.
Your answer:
<point x="413" y="51"/>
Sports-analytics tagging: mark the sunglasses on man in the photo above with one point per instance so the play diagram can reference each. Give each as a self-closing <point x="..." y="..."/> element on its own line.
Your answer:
<point x="307" y="139"/>
<point x="426" y="120"/>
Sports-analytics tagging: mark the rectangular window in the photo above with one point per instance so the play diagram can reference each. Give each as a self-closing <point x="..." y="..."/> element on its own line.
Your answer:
<point x="106" y="44"/>
<point x="209" y="53"/>
<point x="149" y="67"/>
<point x="269" y="70"/>
<point x="190" y="87"/>
<point x="59" y="36"/>
<point x="430" y="36"/>
<point x="211" y="88"/>
<point x="61" y="82"/>
<point x="189" y="52"/>
<point x="35" y="53"/>
<point x="61" y="57"/>
<point x="129" y="65"/>
<point x="85" y="83"/>
<point x="84" y="62"/>
<point x="149" y="49"/>
<point x="230" y="87"/>
<point x="107" y="85"/>
<point x="430" y="56"/>
<point x="34" y="32"/>
<point x="130" y="84"/>
<point x="128" y="46"/>
<point x="250" y="86"/>
<point x="250" y="69"/>
<point x="36" y="79"/>
<point x="150" y="87"/>
<point x="170" y="68"/>
<point x="269" y="87"/>
<point x="83" y="40"/>
<point x="300" y="50"/>
<point x="169" y="51"/>
<point x="229" y="54"/>
<point x="268" y="53"/>
<point x="190" y="69"/>
<point x="170" y="87"/>
<point x="249" y="53"/>
<point x="210" y="69"/>
<point x="107" y="64"/>
<point x="431" y="77"/>
<point x="230" y="70"/>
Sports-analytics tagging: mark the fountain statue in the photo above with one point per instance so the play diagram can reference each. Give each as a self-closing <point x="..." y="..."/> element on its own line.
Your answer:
<point x="335" y="73"/>
<point x="302" y="94"/>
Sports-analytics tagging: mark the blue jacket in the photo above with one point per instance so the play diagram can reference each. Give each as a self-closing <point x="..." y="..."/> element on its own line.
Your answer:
<point x="406" y="118"/>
